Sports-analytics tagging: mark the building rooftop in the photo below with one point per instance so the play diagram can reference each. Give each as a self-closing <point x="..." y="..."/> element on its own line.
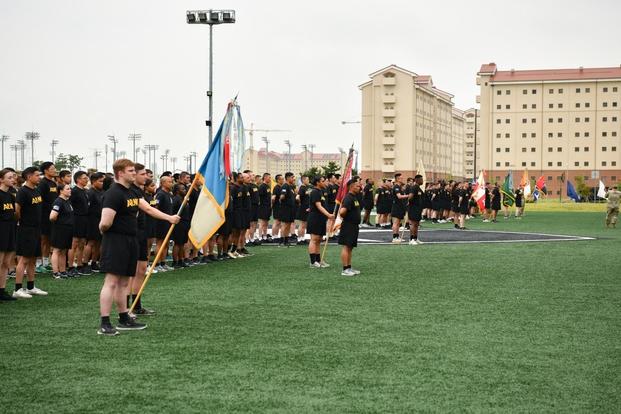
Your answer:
<point x="549" y="74"/>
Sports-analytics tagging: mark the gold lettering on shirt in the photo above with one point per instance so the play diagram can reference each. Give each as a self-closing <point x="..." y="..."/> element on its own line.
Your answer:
<point x="53" y="190"/>
<point x="132" y="202"/>
<point x="7" y="206"/>
<point x="37" y="200"/>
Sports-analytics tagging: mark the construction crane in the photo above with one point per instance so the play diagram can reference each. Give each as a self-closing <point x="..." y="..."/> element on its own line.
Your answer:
<point x="252" y="130"/>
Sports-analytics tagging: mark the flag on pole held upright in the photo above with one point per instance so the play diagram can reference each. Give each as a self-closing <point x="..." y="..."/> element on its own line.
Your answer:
<point x="421" y="171"/>
<point x="525" y="183"/>
<point x="571" y="192"/>
<point x="478" y="192"/>
<point x="212" y="174"/>
<point x="601" y="191"/>
<point x="507" y="190"/>
<point x="340" y="195"/>
<point x="541" y="185"/>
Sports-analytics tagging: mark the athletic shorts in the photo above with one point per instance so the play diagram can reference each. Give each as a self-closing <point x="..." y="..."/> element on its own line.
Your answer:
<point x="463" y="208"/>
<point x="276" y="212"/>
<point x="161" y="229"/>
<point x="237" y="221"/>
<point x="226" y="227"/>
<point x="46" y="224"/>
<point x="415" y="214"/>
<point x="254" y="213"/>
<point x="383" y="209"/>
<point x="80" y="227"/>
<point x="302" y="214"/>
<point x="143" y="248"/>
<point x="287" y="214"/>
<point x="316" y="224"/>
<point x="180" y="233"/>
<point x="93" y="232"/>
<point x="28" y="241"/>
<point x="349" y="234"/>
<point x="264" y="212"/>
<point x="246" y="218"/>
<point x="8" y="234"/>
<point x="119" y="254"/>
<point x="62" y="235"/>
<point x="398" y="213"/>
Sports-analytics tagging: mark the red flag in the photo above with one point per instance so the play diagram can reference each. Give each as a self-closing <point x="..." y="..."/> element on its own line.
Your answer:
<point x="346" y="177"/>
<point x="541" y="184"/>
<point x="478" y="193"/>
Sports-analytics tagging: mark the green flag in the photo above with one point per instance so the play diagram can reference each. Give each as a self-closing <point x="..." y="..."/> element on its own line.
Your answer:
<point x="507" y="190"/>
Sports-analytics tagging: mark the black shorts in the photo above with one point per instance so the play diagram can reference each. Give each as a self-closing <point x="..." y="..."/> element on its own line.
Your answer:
<point x="93" y="232"/>
<point x="238" y="220"/>
<point x="80" y="227"/>
<point x="316" y="224"/>
<point x="383" y="209"/>
<point x="301" y="214"/>
<point x="161" y="229"/>
<point x="415" y="214"/>
<point x="119" y="254"/>
<point x="7" y="236"/>
<point x="226" y="227"/>
<point x="287" y="214"/>
<point x="143" y="248"/>
<point x="276" y="212"/>
<point x="264" y="212"/>
<point x="28" y="241"/>
<point x="246" y="218"/>
<point x="463" y="208"/>
<point x="398" y="213"/>
<point x="496" y="206"/>
<point x="62" y="235"/>
<point x="46" y="224"/>
<point x="180" y="233"/>
<point x="349" y="234"/>
<point x="254" y="213"/>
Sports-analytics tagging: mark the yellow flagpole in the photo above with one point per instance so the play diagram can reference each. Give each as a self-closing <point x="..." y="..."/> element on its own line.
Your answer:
<point x="163" y="246"/>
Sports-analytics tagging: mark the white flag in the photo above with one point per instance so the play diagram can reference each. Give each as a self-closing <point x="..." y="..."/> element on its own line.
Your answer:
<point x="527" y="189"/>
<point x="601" y="192"/>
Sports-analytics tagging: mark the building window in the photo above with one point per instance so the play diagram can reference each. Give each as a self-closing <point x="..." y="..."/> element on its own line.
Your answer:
<point x="614" y="177"/>
<point x="560" y="120"/>
<point x="497" y="149"/>
<point x="498" y="92"/>
<point x="507" y="163"/>
<point x="549" y="149"/>
<point x="533" y="164"/>
<point x="532" y="149"/>
<point x="577" y="104"/>
<point x="559" y="149"/>
<point x="498" y="121"/>
<point x="549" y="178"/>
<point x="576" y="149"/>
<point x="497" y="165"/>
<point x="523" y="163"/>
<point x="560" y="135"/>
<point x="550" y="135"/>
<point x="507" y="121"/>
<point x="507" y="150"/>
<point x="614" y="104"/>
<point x="613" y="149"/>
<point x="523" y="134"/>
<point x="586" y="149"/>
<point x="507" y="135"/>
<point x="614" y="133"/>
<point x="577" y="90"/>
<point x="577" y="119"/>
<point x="523" y="149"/>
<point x="587" y="119"/>
<point x="560" y="105"/>
<point x="615" y="89"/>
<point x="605" y="104"/>
<point x="507" y="92"/>
<point x="524" y="91"/>
<point x="587" y="90"/>
<point x="533" y="120"/>
<point x="559" y="164"/>
<point x="549" y="163"/>
<point x="605" y="119"/>
<point x="533" y="106"/>
<point x="586" y="163"/>
<point x="613" y="163"/>
<point x="586" y="134"/>
<point x="560" y="90"/>
<point x="550" y="91"/>
<point x="549" y="105"/>
<point x="577" y="164"/>
<point x="498" y="106"/>
<point x="603" y="163"/>
<point x="524" y="106"/>
<point x="550" y="120"/>
<point x="524" y="120"/>
<point x="604" y="134"/>
<point x="605" y="89"/>
<point x="533" y="135"/>
<point x="507" y="106"/>
<point x="577" y="134"/>
<point x="587" y="104"/>
<point x="614" y="119"/>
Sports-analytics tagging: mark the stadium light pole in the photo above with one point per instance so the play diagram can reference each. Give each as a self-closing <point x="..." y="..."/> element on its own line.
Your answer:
<point x="106" y="152"/>
<point x="312" y="152"/>
<point x="288" y="144"/>
<point x="53" y="145"/>
<point x="305" y="149"/>
<point x="192" y="155"/>
<point x="174" y="162"/>
<point x="22" y="146"/>
<point x="14" y="148"/>
<point x="133" y="138"/>
<point x="211" y="18"/>
<point x="32" y="137"/>
<point x="357" y="153"/>
<point x="267" y="154"/>
<point x="144" y="155"/>
<point x="4" y="139"/>
<point x="96" y="154"/>
<point x="114" y="141"/>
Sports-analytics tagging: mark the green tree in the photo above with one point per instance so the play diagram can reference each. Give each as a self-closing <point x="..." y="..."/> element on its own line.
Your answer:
<point x="68" y="161"/>
<point x="311" y="172"/>
<point x="581" y="188"/>
<point x="331" y="168"/>
<point x="37" y="163"/>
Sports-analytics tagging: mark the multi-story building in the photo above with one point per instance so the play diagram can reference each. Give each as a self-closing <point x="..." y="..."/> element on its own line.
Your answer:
<point x="259" y="161"/>
<point x="458" y="131"/>
<point x="553" y="122"/>
<point x="472" y="145"/>
<point x="407" y="121"/>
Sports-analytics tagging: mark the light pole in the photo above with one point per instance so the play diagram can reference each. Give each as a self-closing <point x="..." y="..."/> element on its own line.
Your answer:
<point x="267" y="154"/>
<point x="4" y="139"/>
<point x="133" y="138"/>
<point x="22" y="146"/>
<point x="114" y="141"/>
<point x="342" y="151"/>
<point x="210" y="17"/>
<point x="144" y="155"/>
<point x="32" y="137"/>
<point x="15" y="147"/>
<point x="288" y="144"/>
<point x="53" y="145"/>
<point x="166" y="153"/>
<point x="305" y="149"/>
<point x="106" y="152"/>
<point x="312" y="150"/>
<point x="96" y="154"/>
<point x="192" y="155"/>
<point x="174" y="162"/>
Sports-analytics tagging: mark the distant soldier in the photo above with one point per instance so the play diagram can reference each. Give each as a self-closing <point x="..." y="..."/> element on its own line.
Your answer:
<point x="613" y="195"/>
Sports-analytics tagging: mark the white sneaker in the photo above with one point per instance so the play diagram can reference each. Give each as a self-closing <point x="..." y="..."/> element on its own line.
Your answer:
<point x="412" y="242"/>
<point x="159" y="269"/>
<point x="22" y="294"/>
<point x="232" y="255"/>
<point x="356" y="272"/>
<point x="168" y="267"/>
<point x="324" y="265"/>
<point x="35" y="291"/>
<point x="419" y="242"/>
<point x="348" y="272"/>
<point x="315" y="265"/>
<point x="423" y="220"/>
<point x="396" y="241"/>
<point x="486" y="221"/>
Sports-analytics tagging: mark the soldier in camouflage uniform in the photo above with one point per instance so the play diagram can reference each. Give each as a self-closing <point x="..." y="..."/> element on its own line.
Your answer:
<point x="613" y="195"/>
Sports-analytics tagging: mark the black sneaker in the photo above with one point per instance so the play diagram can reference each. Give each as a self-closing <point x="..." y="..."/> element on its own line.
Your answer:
<point x="107" y="330"/>
<point x="73" y="272"/>
<point x="144" y="312"/>
<point x="245" y="252"/>
<point x="95" y="267"/>
<point x="6" y="297"/>
<point x="57" y="275"/>
<point x="130" y="325"/>
<point x="85" y="270"/>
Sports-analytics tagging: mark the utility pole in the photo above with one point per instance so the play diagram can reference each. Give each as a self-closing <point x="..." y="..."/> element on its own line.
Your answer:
<point x="267" y="154"/>
<point x="165" y="157"/>
<point x="187" y="159"/>
<point x="14" y="148"/>
<point x="144" y="155"/>
<point x="155" y="148"/>
<point x="22" y="147"/>
<point x="114" y="141"/>
<point x="174" y="162"/>
<point x="133" y="138"/>
<point x="288" y="144"/>
<point x="305" y="149"/>
<point x="192" y="154"/>
<point x="4" y="139"/>
<point x="32" y="137"/>
<point x="106" y="152"/>
<point x="312" y="152"/>
<point x="53" y="145"/>
<point x="96" y="154"/>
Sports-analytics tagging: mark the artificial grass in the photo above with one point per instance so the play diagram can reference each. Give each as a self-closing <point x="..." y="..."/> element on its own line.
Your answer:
<point x="519" y="327"/>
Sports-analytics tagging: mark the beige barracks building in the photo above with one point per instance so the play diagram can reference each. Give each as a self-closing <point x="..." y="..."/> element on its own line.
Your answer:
<point x="551" y="121"/>
<point x="407" y="120"/>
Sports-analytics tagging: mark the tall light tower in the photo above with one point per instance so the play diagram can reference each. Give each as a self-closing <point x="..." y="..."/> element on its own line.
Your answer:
<point x="106" y="155"/>
<point x="165" y="157"/>
<point x="22" y="146"/>
<point x="15" y="148"/>
<point x="32" y="137"/>
<point x="133" y="138"/>
<point x="154" y="148"/>
<point x="144" y="155"/>
<point x="211" y="18"/>
<point x="192" y="155"/>
<point x="305" y="149"/>
<point x="288" y="144"/>
<point x="174" y="163"/>
<point x="53" y="145"/>
<point x="267" y="154"/>
<point x="311" y="148"/>
<point x="4" y="139"/>
<point x="96" y="154"/>
<point x="113" y="141"/>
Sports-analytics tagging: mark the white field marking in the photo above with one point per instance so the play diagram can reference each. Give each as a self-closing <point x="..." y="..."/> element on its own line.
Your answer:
<point x="492" y="231"/>
<point x="577" y="238"/>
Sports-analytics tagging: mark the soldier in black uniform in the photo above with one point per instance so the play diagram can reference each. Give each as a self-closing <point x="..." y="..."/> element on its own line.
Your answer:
<point x="49" y="193"/>
<point x="348" y="237"/>
<point x="276" y="209"/>
<point x="367" y="201"/>
<point x="287" y="207"/>
<point x="179" y="235"/>
<point x="302" y="200"/>
<point x="488" y="203"/>
<point x="8" y="229"/>
<point x="495" y="201"/>
<point x="93" y="236"/>
<point x="163" y="197"/>
<point x="61" y="218"/>
<point x="399" y="200"/>
<point x="79" y="202"/>
<point x="237" y="193"/>
<point x="415" y="208"/>
<point x="383" y="201"/>
<point x="253" y="185"/>
<point x="317" y="217"/>
<point x="28" y="209"/>
<point x="331" y="189"/>
<point x="462" y="205"/>
<point x="224" y="232"/>
<point x="265" y="206"/>
<point x="246" y="180"/>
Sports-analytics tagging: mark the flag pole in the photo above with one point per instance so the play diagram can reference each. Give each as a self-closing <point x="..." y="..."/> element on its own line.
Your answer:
<point x="163" y="246"/>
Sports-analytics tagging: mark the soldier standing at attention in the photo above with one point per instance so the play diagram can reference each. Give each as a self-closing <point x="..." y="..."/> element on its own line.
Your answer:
<point x="612" y="209"/>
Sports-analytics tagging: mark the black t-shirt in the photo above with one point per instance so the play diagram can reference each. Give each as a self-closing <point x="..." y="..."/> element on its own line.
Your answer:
<point x="463" y="194"/>
<point x="276" y="192"/>
<point x="30" y="201"/>
<point x="351" y="203"/>
<point x="304" y="192"/>
<point x="396" y="201"/>
<point x="79" y="201"/>
<point x="65" y="212"/>
<point x="265" y="195"/>
<point x="317" y="195"/>
<point x="49" y="193"/>
<point x="254" y="194"/>
<point x="246" y="197"/>
<point x="140" y="220"/>
<point x="164" y="201"/>
<point x="185" y="214"/>
<point x="7" y="206"/>
<point x="287" y="191"/>
<point x="416" y="201"/>
<point x="125" y="202"/>
<point x="332" y="189"/>
<point x="95" y="199"/>
<point x="237" y="194"/>
<point x="367" y="194"/>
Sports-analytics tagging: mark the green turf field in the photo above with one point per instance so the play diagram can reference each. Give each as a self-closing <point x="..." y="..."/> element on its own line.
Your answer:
<point x="519" y="327"/>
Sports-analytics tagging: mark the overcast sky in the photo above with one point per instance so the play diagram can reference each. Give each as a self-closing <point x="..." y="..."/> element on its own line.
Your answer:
<point x="80" y="70"/>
